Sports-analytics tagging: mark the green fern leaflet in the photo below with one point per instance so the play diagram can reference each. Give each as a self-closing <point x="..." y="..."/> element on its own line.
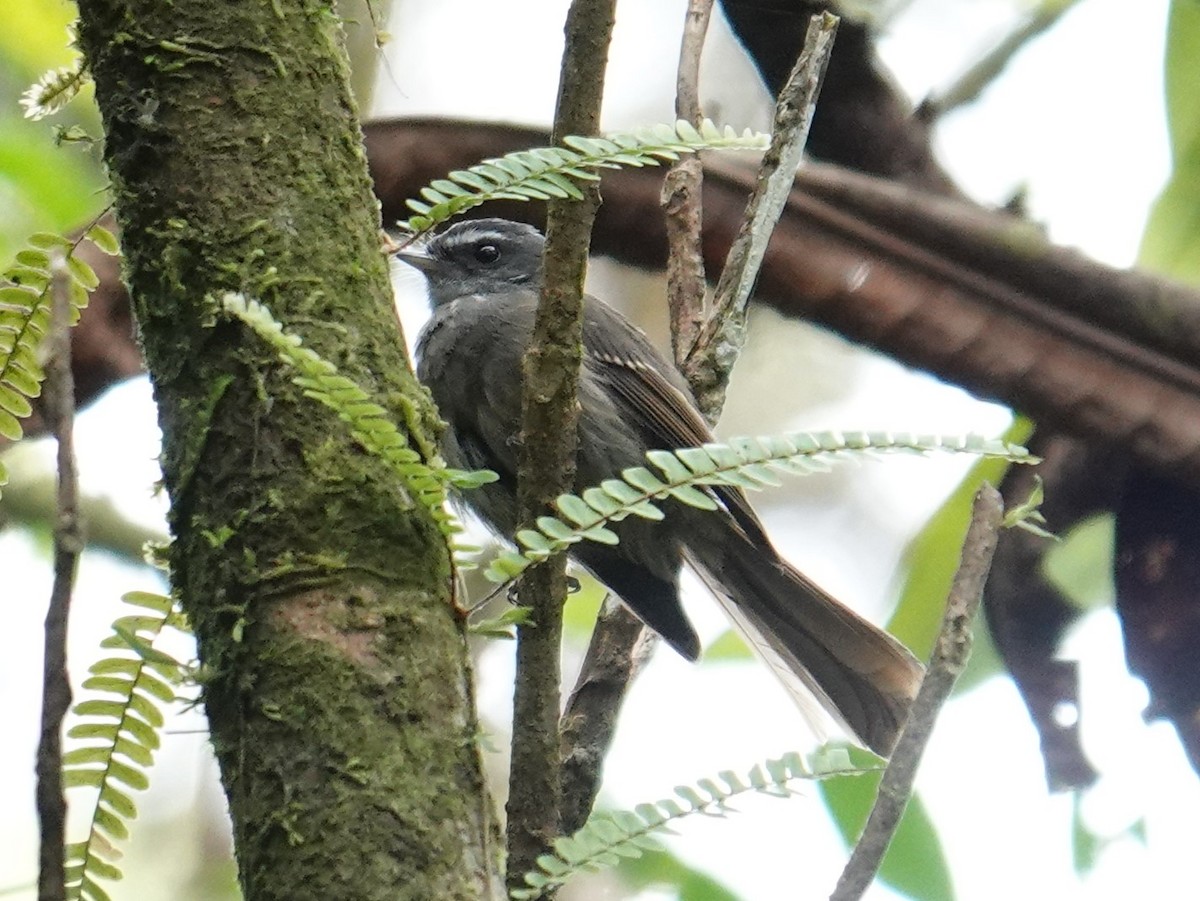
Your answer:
<point x="116" y="735"/>
<point x="551" y="172"/>
<point x="26" y="291"/>
<point x="609" y="836"/>
<point x="748" y="463"/>
<point x="425" y="476"/>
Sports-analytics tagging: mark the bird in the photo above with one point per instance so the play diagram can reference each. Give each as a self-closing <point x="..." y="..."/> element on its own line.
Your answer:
<point x="483" y="279"/>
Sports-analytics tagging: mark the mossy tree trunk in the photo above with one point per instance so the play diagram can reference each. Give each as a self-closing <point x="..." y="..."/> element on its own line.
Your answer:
<point x="336" y="676"/>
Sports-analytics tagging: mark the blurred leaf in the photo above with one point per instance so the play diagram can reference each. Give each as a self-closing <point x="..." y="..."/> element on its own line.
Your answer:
<point x="582" y="608"/>
<point x="1171" y="242"/>
<point x="42" y="187"/>
<point x="659" y="868"/>
<point x="34" y="36"/>
<point x="932" y="557"/>
<point x="728" y="647"/>
<point x="1085" y="844"/>
<point x="1081" y="565"/>
<point x="915" y="863"/>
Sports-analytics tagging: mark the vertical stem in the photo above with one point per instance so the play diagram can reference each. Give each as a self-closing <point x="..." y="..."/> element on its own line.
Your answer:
<point x="620" y="644"/>
<point x="681" y="196"/>
<point x="711" y="358"/>
<point x="549" y="439"/>
<point x="68" y="543"/>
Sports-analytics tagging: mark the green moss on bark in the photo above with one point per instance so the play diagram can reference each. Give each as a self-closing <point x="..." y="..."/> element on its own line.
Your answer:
<point x="337" y="679"/>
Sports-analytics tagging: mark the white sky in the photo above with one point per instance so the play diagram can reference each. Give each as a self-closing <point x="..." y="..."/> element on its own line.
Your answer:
<point x="1087" y="140"/>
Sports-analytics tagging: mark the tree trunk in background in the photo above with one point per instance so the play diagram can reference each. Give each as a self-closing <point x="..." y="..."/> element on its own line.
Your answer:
<point x="336" y="675"/>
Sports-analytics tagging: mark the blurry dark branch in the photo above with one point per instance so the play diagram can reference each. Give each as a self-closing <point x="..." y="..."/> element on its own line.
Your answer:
<point x="981" y="299"/>
<point x="947" y="663"/>
<point x="1028" y="615"/>
<point x="1157" y="575"/>
<point x="967" y="87"/>
<point x="863" y="122"/>
<point x="986" y="302"/>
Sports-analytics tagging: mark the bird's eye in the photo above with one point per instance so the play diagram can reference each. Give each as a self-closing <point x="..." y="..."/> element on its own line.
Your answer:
<point x="487" y="253"/>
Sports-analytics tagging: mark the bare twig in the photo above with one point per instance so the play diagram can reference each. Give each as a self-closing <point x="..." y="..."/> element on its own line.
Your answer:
<point x="620" y="647"/>
<point x="946" y="664"/>
<point x="681" y="196"/>
<point x="711" y="358"/>
<point x="547" y="464"/>
<point x="68" y="544"/>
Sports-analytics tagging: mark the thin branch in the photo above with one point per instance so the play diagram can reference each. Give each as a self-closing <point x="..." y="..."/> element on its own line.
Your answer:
<point x="970" y="84"/>
<point x="948" y="661"/>
<point x="681" y="196"/>
<point x="547" y="464"/>
<point x="711" y="358"/>
<point x="68" y="544"/>
<point x="620" y="647"/>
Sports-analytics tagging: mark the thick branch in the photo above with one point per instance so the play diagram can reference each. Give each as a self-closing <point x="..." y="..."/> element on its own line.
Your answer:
<point x="337" y="683"/>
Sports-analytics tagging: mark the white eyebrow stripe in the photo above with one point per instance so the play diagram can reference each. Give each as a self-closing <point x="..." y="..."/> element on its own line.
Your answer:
<point x="470" y="235"/>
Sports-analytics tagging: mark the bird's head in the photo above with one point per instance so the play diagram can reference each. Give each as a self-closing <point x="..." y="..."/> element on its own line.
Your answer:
<point x="484" y="256"/>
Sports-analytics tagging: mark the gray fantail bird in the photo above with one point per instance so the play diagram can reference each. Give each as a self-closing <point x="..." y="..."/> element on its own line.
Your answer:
<point x="484" y="277"/>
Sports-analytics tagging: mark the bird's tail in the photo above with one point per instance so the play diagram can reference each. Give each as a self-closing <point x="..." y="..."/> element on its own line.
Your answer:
<point x="818" y="646"/>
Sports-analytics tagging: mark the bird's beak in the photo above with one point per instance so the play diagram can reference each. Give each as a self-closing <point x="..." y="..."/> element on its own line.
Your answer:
<point x="414" y="255"/>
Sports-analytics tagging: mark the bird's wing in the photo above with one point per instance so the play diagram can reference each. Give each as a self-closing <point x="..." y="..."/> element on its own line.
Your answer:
<point x="652" y="396"/>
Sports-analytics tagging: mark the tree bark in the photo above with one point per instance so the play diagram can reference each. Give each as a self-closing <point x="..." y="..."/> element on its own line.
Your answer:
<point x="336" y="676"/>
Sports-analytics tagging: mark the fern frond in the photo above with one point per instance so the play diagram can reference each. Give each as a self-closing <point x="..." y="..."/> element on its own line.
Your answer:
<point x="54" y="90"/>
<point x="609" y="836"/>
<point x="551" y="172"/>
<point x="751" y="463"/>
<point x="116" y="736"/>
<point x="368" y="421"/>
<point x="25" y="308"/>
